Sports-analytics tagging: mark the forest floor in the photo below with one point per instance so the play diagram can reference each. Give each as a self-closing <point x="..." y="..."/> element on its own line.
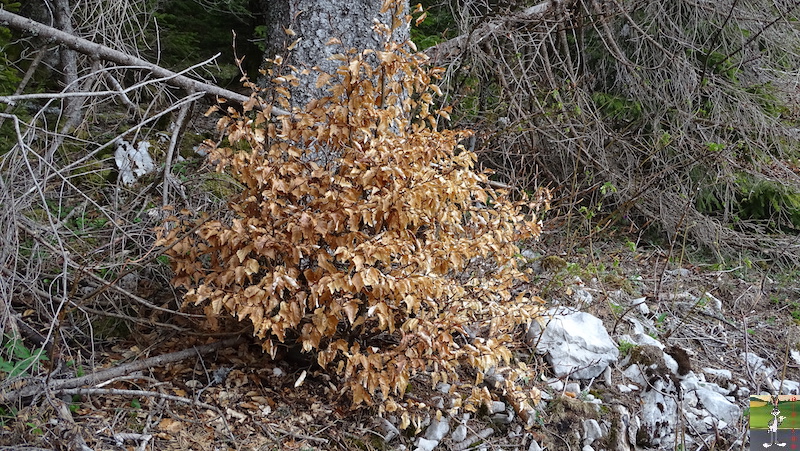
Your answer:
<point x="236" y="397"/>
<point x="138" y="380"/>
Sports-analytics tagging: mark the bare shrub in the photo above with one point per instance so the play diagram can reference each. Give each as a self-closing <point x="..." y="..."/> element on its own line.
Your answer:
<point x="663" y="113"/>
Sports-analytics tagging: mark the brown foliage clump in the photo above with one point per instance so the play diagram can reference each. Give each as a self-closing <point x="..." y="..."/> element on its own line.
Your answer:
<point x="364" y="237"/>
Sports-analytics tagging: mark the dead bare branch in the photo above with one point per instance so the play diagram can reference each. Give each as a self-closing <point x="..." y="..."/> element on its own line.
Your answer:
<point x="34" y="388"/>
<point x="99" y="51"/>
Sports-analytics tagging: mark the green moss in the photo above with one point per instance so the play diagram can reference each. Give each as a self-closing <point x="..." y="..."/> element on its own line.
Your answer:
<point x="553" y="263"/>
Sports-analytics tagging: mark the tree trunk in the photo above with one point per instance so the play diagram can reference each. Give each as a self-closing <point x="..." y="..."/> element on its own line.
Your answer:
<point x="299" y="32"/>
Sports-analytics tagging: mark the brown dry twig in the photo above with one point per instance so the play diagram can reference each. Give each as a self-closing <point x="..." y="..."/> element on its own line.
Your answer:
<point x="35" y="387"/>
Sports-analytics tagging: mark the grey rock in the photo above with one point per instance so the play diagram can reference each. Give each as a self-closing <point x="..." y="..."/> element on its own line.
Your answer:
<point x="534" y="446"/>
<point x="671" y="363"/>
<point x="787" y="388"/>
<point x="503" y="418"/>
<point x="459" y="434"/>
<point x="576" y="343"/>
<point x="623" y="424"/>
<point x="641" y="305"/>
<point x="634" y="373"/>
<point x="556" y="384"/>
<point x="573" y="387"/>
<point x="481" y="435"/>
<point x="758" y="366"/>
<point x="659" y="414"/>
<point x="718" y="406"/>
<point x="437" y="429"/>
<point x="642" y="339"/>
<point x="389" y="430"/>
<point x="582" y="297"/>
<point x="638" y="328"/>
<point x="680" y="272"/>
<point x="497" y="406"/>
<point x="591" y="431"/>
<point x="424" y="444"/>
<point x="717" y="374"/>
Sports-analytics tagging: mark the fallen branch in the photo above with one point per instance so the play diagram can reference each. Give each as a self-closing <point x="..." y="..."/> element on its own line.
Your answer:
<point x="452" y="48"/>
<point x="134" y="393"/>
<point x="95" y="50"/>
<point x="296" y="435"/>
<point x="63" y="384"/>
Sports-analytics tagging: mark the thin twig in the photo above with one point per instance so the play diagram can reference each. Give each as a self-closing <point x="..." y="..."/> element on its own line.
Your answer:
<point x="145" y="393"/>
<point x="300" y="436"/>
<point x="117" y="371"/>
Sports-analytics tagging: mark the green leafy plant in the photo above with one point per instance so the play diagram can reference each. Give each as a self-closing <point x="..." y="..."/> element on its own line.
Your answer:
<point x="625" y="348"/>
<point x="20" y="359"/>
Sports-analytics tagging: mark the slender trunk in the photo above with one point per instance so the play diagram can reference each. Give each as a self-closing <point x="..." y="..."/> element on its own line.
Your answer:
<point x="69" y="64"/>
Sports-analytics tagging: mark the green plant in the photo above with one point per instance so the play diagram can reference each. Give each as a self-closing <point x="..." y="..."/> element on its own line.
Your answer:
<point x="7" y="416"/>
<point x="20" y="359"/>
<point x="369" y="259"/>
<point x="435" y="24"/>
<point x="617" y="309"/>
<point x="625" y="348"/>
<point x="617" y="107"/>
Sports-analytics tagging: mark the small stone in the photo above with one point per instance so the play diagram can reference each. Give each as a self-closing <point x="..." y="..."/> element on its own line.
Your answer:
<point x="634" y="373"/>
<point x="437" y="429"/>
<point x="443" y="388"/>
<point x="277" y="372"/>
<point x="573" y="387"/>
<point x="556" y="384"/>
<point x="623" y="388"/>
<point x="497" y="407"/>
<point x="758" y="366"/>
<point x="389" y="430"/>
<point x="534" y="446"/>
<point x="460" y="434"/>
<point x="671" y="363"/>
<point x="503" y="418"/>
<point x="718" y="374"/>
<point x="641" y="305"/>
<point x="591" y="431"/>
<point x="424" y="444"/>
<point x="789" y="387"/>
<point x="582" y="297"/>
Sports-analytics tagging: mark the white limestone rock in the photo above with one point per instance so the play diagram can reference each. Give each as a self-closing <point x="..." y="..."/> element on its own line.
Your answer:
<point x="576" y="343"/>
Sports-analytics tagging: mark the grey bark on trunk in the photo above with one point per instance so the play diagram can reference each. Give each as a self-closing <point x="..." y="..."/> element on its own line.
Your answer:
<point x="313" y="23"/>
